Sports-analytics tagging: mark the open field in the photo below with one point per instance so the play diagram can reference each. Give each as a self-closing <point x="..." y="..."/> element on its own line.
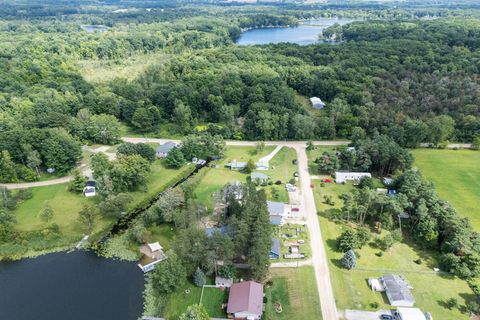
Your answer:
<point x="103" y="71"/>
<point x="456" y="175"/>
<point x="295" y="290"/>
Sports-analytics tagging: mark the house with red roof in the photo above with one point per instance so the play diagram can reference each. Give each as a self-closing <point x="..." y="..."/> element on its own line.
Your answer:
<point x="245" y="301"/>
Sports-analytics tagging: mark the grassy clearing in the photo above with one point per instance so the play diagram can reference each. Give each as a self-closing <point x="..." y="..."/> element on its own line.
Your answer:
<point x="163" y="233"/>
<point x="296" y="290"/>
<point x="456" y="176"/>
<point x="216" y="178"/>
<point x="351" y="288"/>
<point x="102" y="71"/>
<point x="212" y="300"/>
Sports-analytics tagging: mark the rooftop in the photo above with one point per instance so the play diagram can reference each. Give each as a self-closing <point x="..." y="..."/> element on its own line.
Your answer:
<point x="397" y="289"/>
<point x="275" y="247"/>
<point x="166" y="147"/>
<point x="246" y="297"/>
<point x="275" y="207"/>
<point x="411" y="314"/>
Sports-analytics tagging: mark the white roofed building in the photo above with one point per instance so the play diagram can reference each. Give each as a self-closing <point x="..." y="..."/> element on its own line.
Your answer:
<point x="317" y="103"/>
<point x="344" y="176"/>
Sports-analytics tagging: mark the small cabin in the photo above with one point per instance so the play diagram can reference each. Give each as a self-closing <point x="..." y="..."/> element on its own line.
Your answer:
<point x="90" y="189"/>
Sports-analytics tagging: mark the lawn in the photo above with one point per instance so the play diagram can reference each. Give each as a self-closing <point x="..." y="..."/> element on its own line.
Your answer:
<point x="178" y="302"/>
<point x="456" y="175"/>
<point x="216" y="178"/>
<point x="163" y="233"/>
<point x="350" y="287"/>
<point x="295" y="289"/>
<point x="65" y="205"/>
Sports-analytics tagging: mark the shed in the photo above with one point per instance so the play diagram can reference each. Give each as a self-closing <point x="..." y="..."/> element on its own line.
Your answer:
<point x="275" y="251"/>
<point x="164" y="149"/>
<point x="221" y="282"/>
<point x="376" y="285"/>
<point x="90" y="189"/>
<point x="154" y="247"/>
<point x="317" y="103"/>
<point x="262" y="165"/>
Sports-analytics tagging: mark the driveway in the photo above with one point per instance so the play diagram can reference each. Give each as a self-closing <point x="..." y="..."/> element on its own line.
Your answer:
<point x="364" y="315"/>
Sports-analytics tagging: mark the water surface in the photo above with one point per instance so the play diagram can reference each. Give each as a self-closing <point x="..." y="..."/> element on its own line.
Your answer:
<point x="70" y="286"/>
<point x="306" y="33"/>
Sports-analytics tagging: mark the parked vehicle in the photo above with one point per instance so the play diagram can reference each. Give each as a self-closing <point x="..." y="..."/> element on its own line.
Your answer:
<point x="386" y="317"/>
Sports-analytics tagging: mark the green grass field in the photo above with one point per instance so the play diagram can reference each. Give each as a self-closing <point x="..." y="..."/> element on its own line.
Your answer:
<point x="295" y="289"/>
<point x="351" y="289"/>
<point x="456" y="175"/>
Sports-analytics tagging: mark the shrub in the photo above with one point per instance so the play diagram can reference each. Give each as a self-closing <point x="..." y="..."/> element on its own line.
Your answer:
<point x="349" y="260"/>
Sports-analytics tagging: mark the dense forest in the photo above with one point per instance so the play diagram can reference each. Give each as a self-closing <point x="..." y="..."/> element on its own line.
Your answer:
<point x="415" y="80"/>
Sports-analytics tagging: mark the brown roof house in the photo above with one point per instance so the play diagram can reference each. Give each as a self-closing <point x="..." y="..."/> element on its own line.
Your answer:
<point x="245" y="301"/>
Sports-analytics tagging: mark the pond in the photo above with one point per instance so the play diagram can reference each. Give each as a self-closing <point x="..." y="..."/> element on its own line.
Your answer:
<point x="94" y="28"/>
<point x="306" y="33"/>
<point x="74" y="286"/>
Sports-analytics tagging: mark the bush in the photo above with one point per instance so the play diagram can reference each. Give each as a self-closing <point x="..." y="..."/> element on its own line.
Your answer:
<point x="349" y="260"/>
<point x="418" y="261"/>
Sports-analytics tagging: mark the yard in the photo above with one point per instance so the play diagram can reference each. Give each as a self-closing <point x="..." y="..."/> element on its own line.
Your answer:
<point x="295" y="289"/>
<point x="281" y="168"/>
<point x="456" y="175"/>
<point x="351" y="288"/>
<point x="212" y="300"/>
<point x="292" y="233"/>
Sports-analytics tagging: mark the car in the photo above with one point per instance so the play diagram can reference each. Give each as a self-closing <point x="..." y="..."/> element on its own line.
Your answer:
<point x="295" y="174"/>
<point x="386" y="317"/>
<point x="295" y="209"/>
<point x="327" y="180"/>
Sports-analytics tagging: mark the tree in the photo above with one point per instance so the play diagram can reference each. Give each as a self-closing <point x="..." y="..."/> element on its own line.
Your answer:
<point x="349" y="260"/>
<point x="348" y="240"/>
<point x="476" y="142"/>
<point x="129" y="172"/>
<point x="328" y="163"/>
<point x="249" y="167"/>
<point x="440" y="129"/>
<point x="7" y="168"/>
<point x="202" y="145"/>
<point x="103" y="129"/>
<point x="310" y="145"/>
<point x="33" y="158"/>
<point x="182" y="117"/>
<point x="168" y="275"/>
<point x="199" y="278"/>
<point x="452" y="303"/>
<point x="60" y="150"/>
<point x="142" y="149"/>
<point x="100" y="164"/>
<point x="259" y="146"/>
<point x="114" y="205"/>
<point x="87" y="216"/>
<point x="46" y="214"/>
<point x="175" y="158"/>
<point x="78" y="182"/>
<point x="366" y="182"/>
<point x="195" y="312"/>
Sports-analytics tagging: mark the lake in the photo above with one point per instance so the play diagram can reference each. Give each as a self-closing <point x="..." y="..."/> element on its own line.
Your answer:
<point x="94" y="28"/>
<point x="73" y="286"/>
<point x="306" y="33"/>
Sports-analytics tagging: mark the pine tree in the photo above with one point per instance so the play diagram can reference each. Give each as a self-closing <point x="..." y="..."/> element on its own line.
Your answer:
<point x="199" y="278"/>
<point x="175" y="158"/>
<point x="349" y="259"/>
<point x="78" y="182"/>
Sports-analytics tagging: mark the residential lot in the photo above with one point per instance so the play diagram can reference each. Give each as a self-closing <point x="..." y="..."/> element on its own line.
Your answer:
<point x="351" y="287"/>
<point x="295" y="290"/>
<point x="456" y="175"/>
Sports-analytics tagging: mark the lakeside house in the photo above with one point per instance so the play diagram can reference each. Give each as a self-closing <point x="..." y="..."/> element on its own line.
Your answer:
<point x="275" y="250"/>
<point x="277" y="212"/>
<point x="90" y="189"/>
<point x="245" y="301"/>
<point x="163" y="150"/>
<point x="344" y="176"/>
<point x="152" y="254"/>
<point x="317" y="103"/>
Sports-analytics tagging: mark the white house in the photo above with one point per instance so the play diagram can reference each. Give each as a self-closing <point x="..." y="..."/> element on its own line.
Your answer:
<point x="221" y="282"/>
<point x="317" y="103"/>
<point x="411" y="314"/>
<point x="344" y="176"/>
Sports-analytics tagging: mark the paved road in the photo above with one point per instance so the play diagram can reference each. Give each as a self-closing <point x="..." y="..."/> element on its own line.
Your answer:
<point x="319" y="256"/>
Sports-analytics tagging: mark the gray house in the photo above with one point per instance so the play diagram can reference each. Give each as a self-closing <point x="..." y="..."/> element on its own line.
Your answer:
<point x="317" y="103"/>
<point x="163" y="149"/>
<point x="397" y="290"/>
<point x="259" y="177"/>
<point x="234" y="165"/>
<point x="277" y="212"/>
